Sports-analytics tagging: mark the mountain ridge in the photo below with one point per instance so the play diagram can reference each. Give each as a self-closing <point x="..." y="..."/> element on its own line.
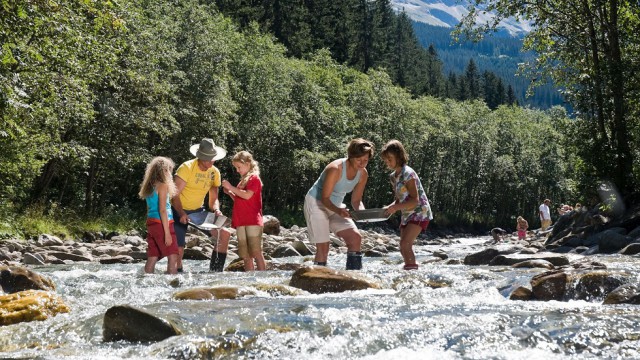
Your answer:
<point x="448" y="13"/>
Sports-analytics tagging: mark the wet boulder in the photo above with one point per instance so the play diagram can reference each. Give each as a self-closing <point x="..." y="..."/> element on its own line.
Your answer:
<point x="482" y="257"/>
<point x="613" y="242"/>
<point x="550" y="285"/>
<point x="625" y="294"/>
<point x="301" y="248"/>
<point x="118" y="259"/>
<point x="217" y="292"/>
<point x="320" y="279"/>
<point x="271" y="225"/>
<point x="284" y="250"/>
<point x="562" y="285"/>
<point x="15" y="278"/>
<point x="124" y="322"/>
<point x="521" y="293"/>
<point x="534" y="263"/>
<point x="279" y="290"/>
<point x="30" y="305"/>
<point x="594" y="285"/>
<point x="511" y="259"/>
<point x="631" y="249"/>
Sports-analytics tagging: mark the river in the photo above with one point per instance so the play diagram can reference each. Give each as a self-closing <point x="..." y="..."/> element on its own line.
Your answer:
<point x="467" y="316"/>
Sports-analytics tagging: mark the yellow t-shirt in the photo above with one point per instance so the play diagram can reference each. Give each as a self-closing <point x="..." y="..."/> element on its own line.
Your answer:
<point x="198" y="183"/>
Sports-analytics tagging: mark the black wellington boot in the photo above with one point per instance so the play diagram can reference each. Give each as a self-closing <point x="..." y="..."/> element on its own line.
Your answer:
<point x="354" y="260"/>
<point x="217" y="261"/>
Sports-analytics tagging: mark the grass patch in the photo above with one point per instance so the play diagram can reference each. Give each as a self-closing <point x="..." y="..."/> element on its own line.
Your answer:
<point x="68" y="223"/>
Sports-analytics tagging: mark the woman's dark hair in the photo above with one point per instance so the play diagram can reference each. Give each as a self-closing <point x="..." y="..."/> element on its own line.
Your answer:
<point x="360" y="147"/>
<point x="395" y="148"/>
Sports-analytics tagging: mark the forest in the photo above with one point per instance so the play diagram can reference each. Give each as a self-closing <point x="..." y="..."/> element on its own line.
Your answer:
<point x="92" y="90"/>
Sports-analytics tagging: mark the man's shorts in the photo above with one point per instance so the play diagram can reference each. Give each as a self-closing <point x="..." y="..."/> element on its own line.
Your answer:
<point x="197" y="217"/>
<point x="321" y="221"/>
<point x="155" y="240"/>
<point x="249" y="240"/>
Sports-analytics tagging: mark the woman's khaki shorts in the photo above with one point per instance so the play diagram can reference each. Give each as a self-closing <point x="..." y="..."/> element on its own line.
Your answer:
<point x="249" y="240"/>
<point x="320" y="221"/>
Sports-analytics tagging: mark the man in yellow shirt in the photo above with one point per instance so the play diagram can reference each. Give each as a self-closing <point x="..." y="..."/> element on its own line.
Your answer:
<point x="194" y="180"/>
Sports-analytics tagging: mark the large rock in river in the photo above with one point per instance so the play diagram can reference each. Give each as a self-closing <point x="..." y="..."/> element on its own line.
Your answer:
<point x="15" y="278"/>
<point x="30" y="305"/>
<point x="320" y="279"/>
<point x="124" y="322"/>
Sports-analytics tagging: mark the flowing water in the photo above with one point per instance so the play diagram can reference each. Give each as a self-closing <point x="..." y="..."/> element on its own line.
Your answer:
<point x="468" y="317"/>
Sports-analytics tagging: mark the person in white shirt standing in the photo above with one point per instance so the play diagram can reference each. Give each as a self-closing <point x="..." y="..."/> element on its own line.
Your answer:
<point x="545" y="215"/>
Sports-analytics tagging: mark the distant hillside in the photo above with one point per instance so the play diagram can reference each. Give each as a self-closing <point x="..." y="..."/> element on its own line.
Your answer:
<point x="499" y="54"/>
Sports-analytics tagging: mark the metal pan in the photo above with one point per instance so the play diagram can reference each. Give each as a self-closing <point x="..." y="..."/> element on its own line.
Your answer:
<point x="369" y="215"/>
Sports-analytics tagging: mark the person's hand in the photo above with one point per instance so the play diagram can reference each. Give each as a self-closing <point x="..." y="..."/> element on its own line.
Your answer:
<point x="217" y="212"/>
<point x="344" y="213"/>
<point x="226" y="185"/>
<point x="389" y="210"/>
<point x="184" y="218"/>
<point x="167" y="238"/>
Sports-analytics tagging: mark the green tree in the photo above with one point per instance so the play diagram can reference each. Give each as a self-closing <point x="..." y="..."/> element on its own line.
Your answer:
<point x="587" y="48"/>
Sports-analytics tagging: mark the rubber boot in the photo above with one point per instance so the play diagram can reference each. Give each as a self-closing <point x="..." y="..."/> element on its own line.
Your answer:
<point x="354" y="260"/>
<point x="217" y="261"/>
<point x="320" y="263"/>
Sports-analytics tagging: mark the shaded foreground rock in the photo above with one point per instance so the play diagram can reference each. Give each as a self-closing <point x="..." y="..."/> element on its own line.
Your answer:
<point x="124" y="322"/>
<point x="320" y="279"/>
<point x="30" y="305"/>
<point x="15" y="278"/>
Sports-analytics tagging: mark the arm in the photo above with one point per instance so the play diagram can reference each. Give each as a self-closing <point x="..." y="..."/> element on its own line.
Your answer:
<point x="175" y="200"/>
<point x="214" y="204"/>
<point x="332" y="175"/>
<point x="242" y="193"/>
<point x="411" y="201"/>
<point x="358" y="191"/>
<point x="163" y="190"/>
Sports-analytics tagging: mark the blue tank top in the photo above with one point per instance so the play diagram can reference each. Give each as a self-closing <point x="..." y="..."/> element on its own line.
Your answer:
<point x="340" y="190"/>
<point x="153" y="209"/>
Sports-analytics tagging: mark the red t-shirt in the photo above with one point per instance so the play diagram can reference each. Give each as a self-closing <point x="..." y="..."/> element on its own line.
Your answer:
<point x="248" y="212"/>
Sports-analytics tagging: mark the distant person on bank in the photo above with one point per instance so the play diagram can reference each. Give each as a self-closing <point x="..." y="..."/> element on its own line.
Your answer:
<point x="194" y="180"/>
<point x="247" y="210"/>
<point x="323" y="207"/>
<point x="545" y="215"/>
<point x="156" y="189"/>
<point x="410" y="199"/>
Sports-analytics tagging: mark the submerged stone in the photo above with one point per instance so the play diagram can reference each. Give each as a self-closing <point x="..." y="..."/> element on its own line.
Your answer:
<point x="124" y="322"/>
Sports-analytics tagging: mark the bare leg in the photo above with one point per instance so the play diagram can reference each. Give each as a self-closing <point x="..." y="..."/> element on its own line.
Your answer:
<point x="408" y="235"/>
<point x="322" y="252"/>
<point x="222" y="243"/>
<point x="172" y="264"/>
<point x="352" y="238"/>
<point x="150" y="265"/>
<point x="257" y="253"/>
<point x="260" y="263"/>
<point x="248" y="263"/>
<point x="179" y="259"/>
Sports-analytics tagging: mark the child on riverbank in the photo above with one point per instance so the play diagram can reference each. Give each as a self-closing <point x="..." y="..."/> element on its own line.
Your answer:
<point x="247" y="210"/>
<point x="410" y="198"/>
<point x="522" y="225"/>
<point x="157" y="188"/>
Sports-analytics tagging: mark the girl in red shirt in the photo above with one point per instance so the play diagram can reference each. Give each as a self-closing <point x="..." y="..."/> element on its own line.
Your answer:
<point x="247" y="210"/>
